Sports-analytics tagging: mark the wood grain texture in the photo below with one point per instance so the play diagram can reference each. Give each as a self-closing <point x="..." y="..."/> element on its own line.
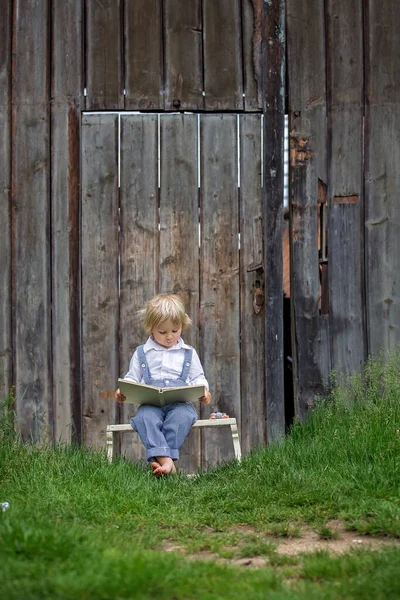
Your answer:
<point x="67" y="97"/>
<point x="252" y="347"/>
<point x="179" y="234"/>
<point x="144" y="55"/>
<point x="308" y="167"/>
<point x="99" y="242"/>
<point x="219" y="273"/>
<point x="65" y="180"/>
<point x="139" y="243"/>
<point x="222" y="40"/>
<point x="31" y="222"/>
<point x="104" y="78"/>
<point x="273" y="27"/>
<point x="67" y="50"/>
<point x="251" y="18"/>
<point x="382" y="176"/>
<point x="183" y="55"/>
<point x="345" y="222"/>
<point x="5" y="197"/>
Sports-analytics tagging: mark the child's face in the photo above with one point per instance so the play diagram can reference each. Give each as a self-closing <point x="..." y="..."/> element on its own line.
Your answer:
<point x="167" y="334"/>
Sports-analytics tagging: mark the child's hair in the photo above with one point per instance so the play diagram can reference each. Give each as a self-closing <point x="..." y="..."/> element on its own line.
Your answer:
<point x="165" y="307"/>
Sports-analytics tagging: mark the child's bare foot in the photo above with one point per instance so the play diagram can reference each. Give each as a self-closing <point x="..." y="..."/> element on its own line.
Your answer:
<point x="163" y="466"/>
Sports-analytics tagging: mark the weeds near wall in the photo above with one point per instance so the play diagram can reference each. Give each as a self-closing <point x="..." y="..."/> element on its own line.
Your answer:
<point x="7" y="417"/>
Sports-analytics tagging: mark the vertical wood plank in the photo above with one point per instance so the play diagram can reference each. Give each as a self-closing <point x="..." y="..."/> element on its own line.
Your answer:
<point x="100" y="318"/>
<point x="251" y="18"/>
<point x="382" y="176"/>
<point x="183" y="55"/>
<point x="65" y="181"/>
<point x="308" y="166"/>
<point x="179" y="235"/>
<point x="273" y="27"/>
<point x="5" y="195"/>
<point x="139" y="243"/>
<point x="345" y="229"/>
<point x="143" y="55"/>
<point x="31" y="223"/>
<point x="223" y="71"/>
<point x="219" y="276"/>
<point x="252" y="348"/>
<point x="103" y="55"/>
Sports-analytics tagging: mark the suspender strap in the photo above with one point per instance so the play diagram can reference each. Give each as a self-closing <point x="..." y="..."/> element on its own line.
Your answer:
<point x="187" y="361"/>
<point x="144" y="367"/>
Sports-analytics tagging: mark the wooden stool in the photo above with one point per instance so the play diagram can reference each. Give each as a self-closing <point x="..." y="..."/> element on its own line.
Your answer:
<point x="113" y="429"/>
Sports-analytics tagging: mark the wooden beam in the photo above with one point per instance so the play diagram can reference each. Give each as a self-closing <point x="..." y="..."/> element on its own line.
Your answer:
<point x="5" y="212"/>
<point x="31" y="220"/>
<point x="308" y="192"/>
<point x="382" y="175"/>
<point x="67" y="95"/>
<point x="345" y="81"/>
<point x="273" y="71"/>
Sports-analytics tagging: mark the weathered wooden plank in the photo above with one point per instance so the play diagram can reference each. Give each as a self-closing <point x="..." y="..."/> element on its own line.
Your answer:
<point x="223" y="72"/>
<point x="179" y="234"/>
<point x="345" y="223"/>
<point x="143" y="55"/>
<point x="32" y="283"/>
<point x="65" y="180"/>
<point x="183" y="55"/>
<point x="5" y="195"/>
<point x="103" y="55"/>
<point x="273" y="28"/>
<point x="99" y="243"/>
<point x="252" y="286"/>
<point x="219" y="276"/>
<point x="67" y="29"/>
<point x="308" y="166"/>
<point x="31" y="226"/>
<point x="382" y="176"/>
<point x="251" y="18"/>
<point x="139" y="242"/>
<point x="65" y="156"/>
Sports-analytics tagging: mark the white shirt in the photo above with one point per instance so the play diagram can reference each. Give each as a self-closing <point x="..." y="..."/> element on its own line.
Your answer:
<point x="167" y="363"/>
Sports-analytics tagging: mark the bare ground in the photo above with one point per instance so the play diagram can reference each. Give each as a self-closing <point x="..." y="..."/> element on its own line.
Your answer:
<point x="307" y="542"/>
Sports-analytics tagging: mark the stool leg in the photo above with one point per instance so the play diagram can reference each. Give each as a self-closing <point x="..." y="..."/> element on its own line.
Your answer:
<point x="236" y="442"/>
<point x="110" y="440"/>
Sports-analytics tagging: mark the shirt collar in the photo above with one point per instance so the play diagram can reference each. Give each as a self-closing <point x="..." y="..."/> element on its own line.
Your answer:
<point x="152" y="345"/>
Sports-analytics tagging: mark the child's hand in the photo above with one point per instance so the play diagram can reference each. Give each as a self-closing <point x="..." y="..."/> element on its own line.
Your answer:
<point x="119" y="397"/>
<point x="206" y="399"/>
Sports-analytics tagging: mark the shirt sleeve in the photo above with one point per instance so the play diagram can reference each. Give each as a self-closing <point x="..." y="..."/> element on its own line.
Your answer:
<point x="196" y="373"/>
<point x="134" y="373"/>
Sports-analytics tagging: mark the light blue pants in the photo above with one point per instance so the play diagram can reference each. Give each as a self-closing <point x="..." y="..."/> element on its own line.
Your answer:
<point x="164" y="429"/>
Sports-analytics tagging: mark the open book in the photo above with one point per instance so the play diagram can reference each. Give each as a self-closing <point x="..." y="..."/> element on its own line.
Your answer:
<point x="139" y="393"/>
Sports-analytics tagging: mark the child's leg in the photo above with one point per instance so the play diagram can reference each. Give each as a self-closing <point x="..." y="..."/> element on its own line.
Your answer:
<point x="148" y="422"/>
<point x="179" y="418"/>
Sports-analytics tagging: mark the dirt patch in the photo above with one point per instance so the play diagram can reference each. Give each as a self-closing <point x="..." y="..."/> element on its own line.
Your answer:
<point x="307" y="541"/>
<point x="311" y="541"/>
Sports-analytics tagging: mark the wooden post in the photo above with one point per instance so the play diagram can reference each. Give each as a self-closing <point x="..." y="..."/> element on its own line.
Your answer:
<point x="273" y="72"/>
<point x="308" y="191"/>
<point x="382" y="176"/>
<point x="31" y="264"/>
<point x="67" y="101"/>
<point x="5" y="208"/>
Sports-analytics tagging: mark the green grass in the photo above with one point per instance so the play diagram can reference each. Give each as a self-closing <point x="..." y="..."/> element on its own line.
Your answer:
<point x="79" y="527"/>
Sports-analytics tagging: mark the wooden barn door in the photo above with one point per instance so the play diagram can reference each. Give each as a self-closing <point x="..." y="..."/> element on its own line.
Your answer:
<point x="172" y="202"/>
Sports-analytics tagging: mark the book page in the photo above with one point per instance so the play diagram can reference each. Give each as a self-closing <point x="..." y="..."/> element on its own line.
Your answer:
<point x="138" y="393"/>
